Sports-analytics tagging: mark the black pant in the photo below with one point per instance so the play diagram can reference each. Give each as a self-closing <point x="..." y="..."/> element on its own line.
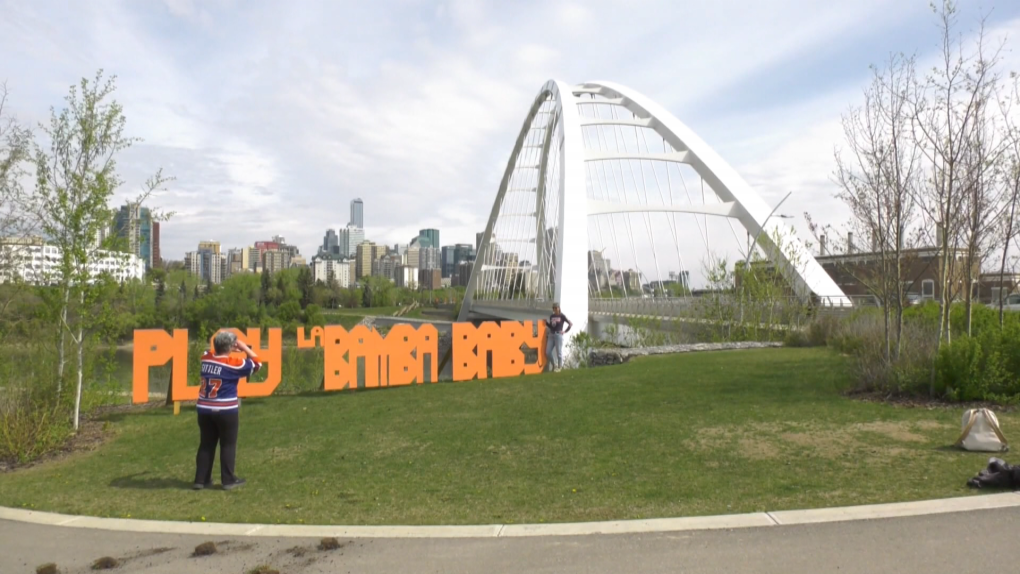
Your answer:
<point x="216" y="428"/>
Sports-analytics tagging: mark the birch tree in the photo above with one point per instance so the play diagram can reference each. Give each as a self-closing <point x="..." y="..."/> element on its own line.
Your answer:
<point x="76" y="180"/>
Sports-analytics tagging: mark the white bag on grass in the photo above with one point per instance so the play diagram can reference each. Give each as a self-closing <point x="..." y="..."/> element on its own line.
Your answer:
<point x="981" y="432"/>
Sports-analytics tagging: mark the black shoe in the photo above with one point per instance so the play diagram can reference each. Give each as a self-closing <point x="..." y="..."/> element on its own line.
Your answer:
<point x="200" y="486"/>
<point x="235" y="484"/>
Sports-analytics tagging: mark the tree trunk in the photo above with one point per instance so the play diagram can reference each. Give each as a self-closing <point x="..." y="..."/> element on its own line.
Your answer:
<point x="81" y="368"/>
<point x="63" y="341"/>
<point x="1005" y="252"/>
<point x="77" y="394"/>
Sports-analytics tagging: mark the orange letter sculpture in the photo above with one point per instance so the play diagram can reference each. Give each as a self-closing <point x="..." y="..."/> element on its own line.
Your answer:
<point x="397" y="360"/>
<point x="502" y="345"/>
<point x="271" y="358"/>
<point x="407" y="348"/>
<point x="153" y="348"/>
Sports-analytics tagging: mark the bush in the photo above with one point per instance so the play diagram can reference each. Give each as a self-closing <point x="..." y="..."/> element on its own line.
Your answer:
<point x="862" y="337"/>
<point x="34" y="420"/>
<point x="796" y="338"/>
<point x="985" y="367"/>
<point x="821" y="330"/>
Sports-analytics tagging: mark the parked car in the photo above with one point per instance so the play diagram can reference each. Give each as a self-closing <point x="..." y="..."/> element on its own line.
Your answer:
<point x="1012" y="303"/>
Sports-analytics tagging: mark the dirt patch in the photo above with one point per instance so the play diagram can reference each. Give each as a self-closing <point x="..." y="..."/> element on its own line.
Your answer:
<point x="822" y="443"/>
<point x="757" y="449"/>
<point x="92" y="433"/>
<point x="932" y="425"/>
<point x="899" y="431"/>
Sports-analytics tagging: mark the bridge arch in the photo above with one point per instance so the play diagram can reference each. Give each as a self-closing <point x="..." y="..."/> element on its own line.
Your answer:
<point x="554" y="207"/>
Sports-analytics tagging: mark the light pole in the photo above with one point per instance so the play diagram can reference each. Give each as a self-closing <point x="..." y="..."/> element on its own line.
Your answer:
<point x="750" y="249"/>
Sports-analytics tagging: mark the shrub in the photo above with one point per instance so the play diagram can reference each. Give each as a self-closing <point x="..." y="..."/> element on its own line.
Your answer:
<point x="821" y="330"/>
<point x="796" y="338"/>
<point x="862" y="337"/>
<point x="981" y="368"/>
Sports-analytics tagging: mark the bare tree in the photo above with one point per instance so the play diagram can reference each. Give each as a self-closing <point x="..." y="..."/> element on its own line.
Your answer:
<point x="1009" y="176"/>
<point x="948" y="105"/>
<point x="983" y="152"/>
<point x="877" y="174"/>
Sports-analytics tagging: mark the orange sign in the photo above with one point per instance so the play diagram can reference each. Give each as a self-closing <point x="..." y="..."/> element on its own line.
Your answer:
<point x="359" y="358"/>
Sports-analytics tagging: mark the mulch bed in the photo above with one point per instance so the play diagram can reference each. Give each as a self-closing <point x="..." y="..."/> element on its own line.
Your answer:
<point x="926" y="403"/>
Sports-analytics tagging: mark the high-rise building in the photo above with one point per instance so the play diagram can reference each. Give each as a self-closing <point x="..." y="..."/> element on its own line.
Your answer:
<point x="157" y="256"/>
<point x="367" y="253"/>
<point x="462" y="252"/>
<point x="205" y="264"/>
<point x="430" y="279"/>
<point x="328" y="269"/>
<point x="235" y="262"/>
<point x="412" y="256"/>
<point x="348" y="240"/>
<point x="208" y="245"/>
<point x="407" y="277"/>
<point x="448" y="260"/>
<point x="330" y="243"/>
<point x="357" y="214"/>
<point x="464" y="273"/>
<point x="428" y="258"/>
<point x="598" y="270"/>
<point x="478" y="241"/>
<point x="275" y="260"/>
<point x="386" y="266"/>
<point x="133" y="223"/>
<point x="432" y="235"/>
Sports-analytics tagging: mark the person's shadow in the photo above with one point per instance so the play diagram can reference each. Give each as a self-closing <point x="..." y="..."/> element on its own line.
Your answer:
<point x="149" y="483"/>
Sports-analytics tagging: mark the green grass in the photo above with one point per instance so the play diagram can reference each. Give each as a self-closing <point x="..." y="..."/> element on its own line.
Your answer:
<point x="693" y="434"/>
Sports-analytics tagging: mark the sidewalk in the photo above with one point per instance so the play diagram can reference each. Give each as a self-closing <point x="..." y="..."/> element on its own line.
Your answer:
<point x="975" y="541"/>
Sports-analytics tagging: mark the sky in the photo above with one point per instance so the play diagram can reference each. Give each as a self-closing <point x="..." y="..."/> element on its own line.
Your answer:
<point x="272" y="116"/>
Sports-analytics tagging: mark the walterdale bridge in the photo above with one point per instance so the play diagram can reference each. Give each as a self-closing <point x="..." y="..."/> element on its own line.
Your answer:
<point x="600" y="173"/>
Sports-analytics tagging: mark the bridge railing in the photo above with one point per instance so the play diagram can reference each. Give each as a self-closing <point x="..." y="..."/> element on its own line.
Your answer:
<point x="791" y="311"/>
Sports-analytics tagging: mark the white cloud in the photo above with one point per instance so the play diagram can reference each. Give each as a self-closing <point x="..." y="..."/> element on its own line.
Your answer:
<point x="274" y="116"/>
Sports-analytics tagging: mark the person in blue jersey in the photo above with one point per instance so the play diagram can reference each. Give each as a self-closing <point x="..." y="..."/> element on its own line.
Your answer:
<point x="218" y="406"/>
<point x="554" y="347"/>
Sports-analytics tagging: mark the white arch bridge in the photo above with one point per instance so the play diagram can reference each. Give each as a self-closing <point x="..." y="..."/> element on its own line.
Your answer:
<point x="604" y="194"/>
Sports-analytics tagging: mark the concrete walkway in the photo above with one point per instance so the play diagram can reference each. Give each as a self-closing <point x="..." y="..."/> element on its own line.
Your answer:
<point x="967" y="534"/>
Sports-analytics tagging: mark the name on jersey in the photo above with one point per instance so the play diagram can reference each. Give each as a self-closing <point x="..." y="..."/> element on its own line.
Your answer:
<point x="208" y="369"/>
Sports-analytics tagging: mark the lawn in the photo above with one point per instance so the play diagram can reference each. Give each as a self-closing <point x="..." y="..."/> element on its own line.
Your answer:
<point x="692" y="434"/>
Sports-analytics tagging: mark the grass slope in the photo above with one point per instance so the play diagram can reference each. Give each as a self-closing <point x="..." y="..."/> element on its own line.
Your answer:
<point x="692" y="434"/>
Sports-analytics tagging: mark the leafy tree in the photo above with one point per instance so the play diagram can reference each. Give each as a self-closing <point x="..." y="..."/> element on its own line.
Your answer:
<point x="306" y="283"/>
<point x="75" y="182"/>
<point x="267" y="285"/>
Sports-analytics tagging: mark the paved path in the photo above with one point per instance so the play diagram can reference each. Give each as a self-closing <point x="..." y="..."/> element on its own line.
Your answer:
<point x="975" y="541"/>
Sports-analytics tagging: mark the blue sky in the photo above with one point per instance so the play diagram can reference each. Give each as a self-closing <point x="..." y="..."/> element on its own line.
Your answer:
<point x="273" y="116"/>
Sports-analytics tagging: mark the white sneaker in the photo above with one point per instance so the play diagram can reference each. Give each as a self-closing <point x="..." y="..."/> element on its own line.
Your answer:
<point x="557" y="369"/>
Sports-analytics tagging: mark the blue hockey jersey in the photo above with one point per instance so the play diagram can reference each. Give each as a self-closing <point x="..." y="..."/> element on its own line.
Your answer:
<point x="220" y="374"/>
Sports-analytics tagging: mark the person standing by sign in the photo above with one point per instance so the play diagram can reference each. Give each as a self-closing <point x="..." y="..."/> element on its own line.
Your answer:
<point x="554" y="348"/>
<point x="218" y="407"/>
